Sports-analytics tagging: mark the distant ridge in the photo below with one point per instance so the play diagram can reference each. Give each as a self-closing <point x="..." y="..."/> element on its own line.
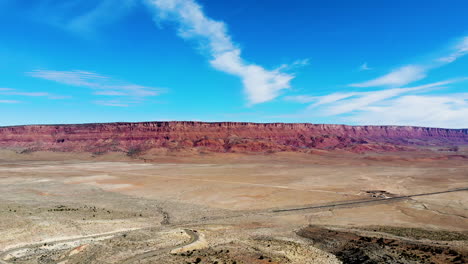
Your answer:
<point x="224" y="137"/>
<point x="228" y="123"/>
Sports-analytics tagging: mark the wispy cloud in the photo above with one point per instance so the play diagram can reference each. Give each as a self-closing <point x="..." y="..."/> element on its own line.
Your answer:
<point x="260" y="85"/>
<point x="460" y="50"/>
<point x="398" y="77"/>
<point x="295" y="65"/>
<point x="78" y="16"/>
<point x="411" y="73"/>
<point x="13" y="92"/>
<point x="395" y="106"/>
<point x="9" y="102"/>
<point x="116" y="103"/>
<point x="357" y="99"/>
<point x="418" y="110"/>
<point x="100" y="15"/>
<point x="300" y="98"/>
<point x="32" y="94"/>
<point x="59" y="97"/>
<point x="341" y="103"/>
<point x="110" y="93"/>
<point x="103" y="85"/>
<point x="364" y="67"/>
<point x="398" y="104"/>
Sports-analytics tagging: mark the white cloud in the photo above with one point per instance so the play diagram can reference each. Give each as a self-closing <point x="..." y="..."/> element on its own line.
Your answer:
<point x="318" y="100"/>
<point x="295" y="65"/>
<point x="398" y="77"/>
<point x="78" y="16"/>
<point x="116" y="103"/>
<point x="110" y="93"/>
<point x="463" y="46"/>
<point x="13" y="92"/>
<point x="260" y="85"/>
<point x="369" y="96"/>
<point x="301" y="98"/>
<point x="9" y="102"/>
<point x="364" y="67"/>
<point x="362" y="100"/>
<point x="103" y="84"/>
<point x="301" y="63"/>
<point x="332" y="98"/>
<point x="448" y="111"/>
<point x="100" y="15"/>
<point x="75" y="78"/>
<point x="461" y="49"/>
<point x="397" y="106"/>
<point x="341" y="103"/>
<point x="59" y="97"/>
<point x="411" y="73"/>
<point x="32" y="94"/>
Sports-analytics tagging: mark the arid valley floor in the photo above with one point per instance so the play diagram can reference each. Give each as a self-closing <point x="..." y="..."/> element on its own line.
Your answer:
<point x="234" y="208"/>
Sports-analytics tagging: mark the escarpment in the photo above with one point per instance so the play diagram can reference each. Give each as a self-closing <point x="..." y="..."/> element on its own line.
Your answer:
<point x="224" y="137"/>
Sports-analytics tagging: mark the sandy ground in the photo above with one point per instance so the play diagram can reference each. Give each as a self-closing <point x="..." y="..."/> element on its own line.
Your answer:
<point x="112" y="209"/>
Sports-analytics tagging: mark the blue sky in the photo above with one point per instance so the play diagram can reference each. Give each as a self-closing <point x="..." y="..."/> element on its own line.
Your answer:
<point x="332" y="61"/>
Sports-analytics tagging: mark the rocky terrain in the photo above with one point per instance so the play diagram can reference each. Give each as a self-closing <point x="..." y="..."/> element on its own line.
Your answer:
<point x="284" y="207"/>
<point x="232" y="193"/>
<point x="136" y="138"/>
<point x="366" y="248"/>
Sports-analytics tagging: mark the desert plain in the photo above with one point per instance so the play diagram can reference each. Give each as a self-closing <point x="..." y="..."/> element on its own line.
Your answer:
<point x="285" y="207"/>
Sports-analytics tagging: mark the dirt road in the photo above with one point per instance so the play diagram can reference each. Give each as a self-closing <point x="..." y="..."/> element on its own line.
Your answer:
<point x="194" y="236"/>
<point x="149" y="254"/>
<point x="379" y="200"/>
<point x="4" y="254"/>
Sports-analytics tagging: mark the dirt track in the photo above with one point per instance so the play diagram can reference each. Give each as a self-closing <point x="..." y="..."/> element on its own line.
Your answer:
<point x="4" y="255"/>
<point x="193" y="235"/>
<point x="152" y="253"/>
<point x="371" y="201"/>
<point x="239" y="207"/>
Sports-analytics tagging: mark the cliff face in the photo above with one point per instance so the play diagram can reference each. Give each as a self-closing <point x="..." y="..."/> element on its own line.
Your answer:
<point x="224" y="137"/>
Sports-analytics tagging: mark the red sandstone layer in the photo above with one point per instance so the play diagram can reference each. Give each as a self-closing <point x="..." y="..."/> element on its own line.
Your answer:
<point x="224" y="137"/>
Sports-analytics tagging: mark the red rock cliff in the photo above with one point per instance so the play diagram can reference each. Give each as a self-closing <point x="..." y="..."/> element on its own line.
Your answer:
<point x="223" y="137"/>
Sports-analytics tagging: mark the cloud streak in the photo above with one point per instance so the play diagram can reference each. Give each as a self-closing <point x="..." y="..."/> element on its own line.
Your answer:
<point x="411" y="73"/>
<point x="260" y="85"/>
<point x="9" y="102"/>
<point x="418" y="110"/>
<point x="341" y="103"/>
<point x="103" y="85"/>
<point x="364" y="67"/>
<point x="79" y="16"/>
<point x="31" y="94"/>
<point x="398" y="77"/>
<point x="100" y="15"/>
<point x="361" y="98"/>
<point x="13" y="92"/>
<point x="116" y="103"/>
<point x="460" y="50"/>
<point x="396" y="106"/>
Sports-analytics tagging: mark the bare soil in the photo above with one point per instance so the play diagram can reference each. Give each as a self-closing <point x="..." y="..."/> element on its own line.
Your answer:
<point x="112" y="208"/>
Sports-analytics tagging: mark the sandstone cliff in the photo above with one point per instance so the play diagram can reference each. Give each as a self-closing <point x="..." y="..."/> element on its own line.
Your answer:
<point x="224" y="137"/>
